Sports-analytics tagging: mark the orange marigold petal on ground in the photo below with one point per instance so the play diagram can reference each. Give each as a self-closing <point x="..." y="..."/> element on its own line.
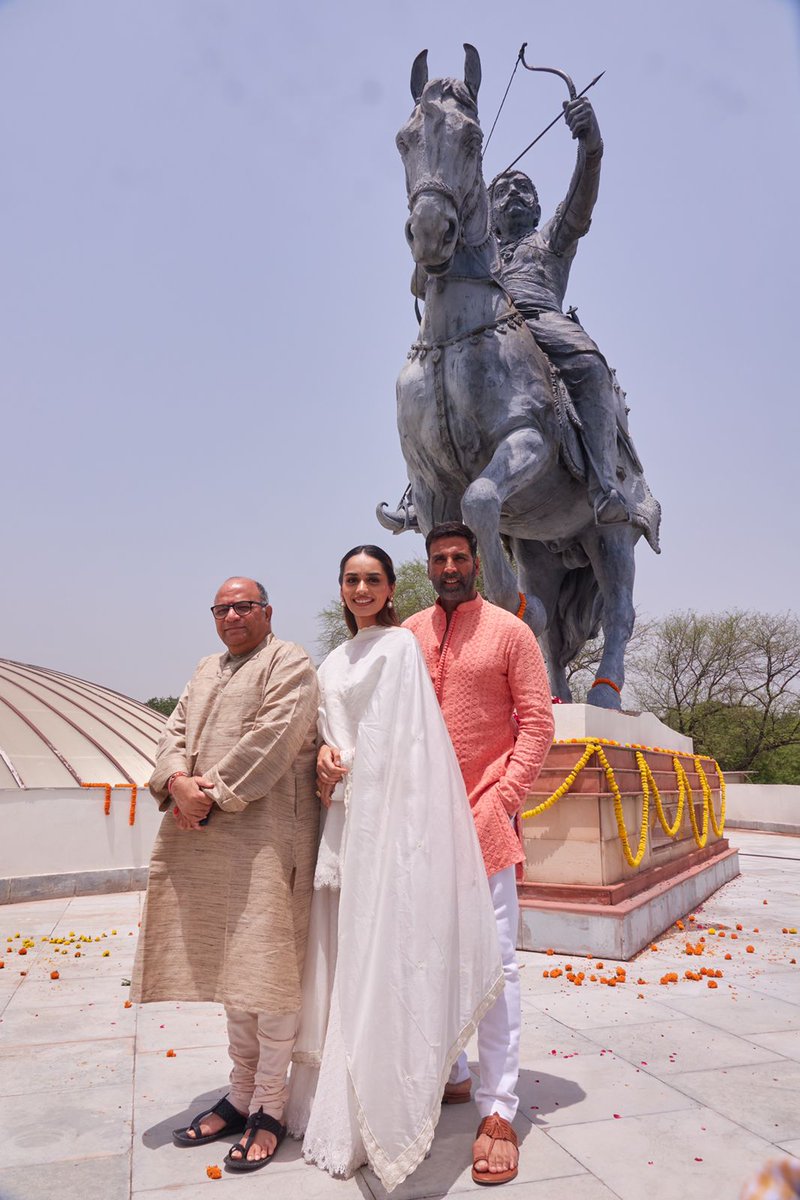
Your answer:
<point x="214" y="1172"/>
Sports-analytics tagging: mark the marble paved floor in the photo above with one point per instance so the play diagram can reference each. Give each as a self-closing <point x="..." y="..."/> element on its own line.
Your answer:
<point x="673" y="1091"/>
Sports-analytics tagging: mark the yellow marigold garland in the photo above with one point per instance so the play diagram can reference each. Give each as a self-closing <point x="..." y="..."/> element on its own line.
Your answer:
<point x="595" y="746"/>
<point x="722" y="789"/>
<point x="700" y="837"/>
<point x="591" y="748"/>
<point x="631" y="859"/>
<point x="648" y="781"/>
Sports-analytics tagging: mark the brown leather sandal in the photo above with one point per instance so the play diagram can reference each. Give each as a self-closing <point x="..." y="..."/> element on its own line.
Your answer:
<point x="457" y="1093"/>
<point x="499" y="1130"/>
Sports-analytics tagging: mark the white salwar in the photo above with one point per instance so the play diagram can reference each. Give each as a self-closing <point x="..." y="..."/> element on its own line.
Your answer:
<point x="403" y="957"/>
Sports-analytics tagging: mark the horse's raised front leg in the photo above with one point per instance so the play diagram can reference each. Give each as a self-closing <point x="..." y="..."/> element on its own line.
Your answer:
<point x="433" y="507"/>
<point x="516" y="463"/>
<point x="610" y="550"/>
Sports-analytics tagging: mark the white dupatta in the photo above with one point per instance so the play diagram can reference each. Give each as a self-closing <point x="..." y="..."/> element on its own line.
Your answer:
<point x="418" y="960"/>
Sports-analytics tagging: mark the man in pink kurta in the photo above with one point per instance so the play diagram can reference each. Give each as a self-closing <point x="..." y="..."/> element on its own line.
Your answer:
<point x="491" y="683"/>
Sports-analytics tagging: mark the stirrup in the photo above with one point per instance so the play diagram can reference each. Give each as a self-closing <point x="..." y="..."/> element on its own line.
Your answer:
<point x="611" y="509"/>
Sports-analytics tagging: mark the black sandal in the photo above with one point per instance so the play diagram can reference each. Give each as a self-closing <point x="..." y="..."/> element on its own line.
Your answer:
<point x="235" y="1122"/>
<point x="257" y="1120"/>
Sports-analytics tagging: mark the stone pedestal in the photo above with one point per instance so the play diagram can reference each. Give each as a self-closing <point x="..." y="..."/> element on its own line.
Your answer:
<point x="579" y="895"/>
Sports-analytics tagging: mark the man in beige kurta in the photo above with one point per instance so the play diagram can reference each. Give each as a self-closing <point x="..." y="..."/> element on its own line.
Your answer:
<point x="231" y="875"/>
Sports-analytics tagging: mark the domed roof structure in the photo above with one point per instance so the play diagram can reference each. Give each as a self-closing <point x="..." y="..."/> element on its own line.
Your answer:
<point x="59" y="731"/>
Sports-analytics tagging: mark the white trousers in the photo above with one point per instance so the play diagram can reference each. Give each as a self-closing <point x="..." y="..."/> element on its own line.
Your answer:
<point x="498" y="1032"/>
<point x="260" y="1046"/>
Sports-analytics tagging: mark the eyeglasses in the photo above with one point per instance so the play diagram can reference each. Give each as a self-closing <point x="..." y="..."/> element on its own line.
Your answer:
<point x="242" y="608"/>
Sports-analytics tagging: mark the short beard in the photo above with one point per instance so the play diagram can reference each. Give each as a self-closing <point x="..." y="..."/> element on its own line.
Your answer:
<point x="465" y="591"/>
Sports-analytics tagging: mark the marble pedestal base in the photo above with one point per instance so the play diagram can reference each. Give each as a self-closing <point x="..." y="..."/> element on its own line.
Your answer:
<point x="579" y="895"/>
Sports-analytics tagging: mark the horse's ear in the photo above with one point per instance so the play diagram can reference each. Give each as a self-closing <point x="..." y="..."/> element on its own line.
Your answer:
<point x="472" y="70"/>
<point x="419" y="75"/>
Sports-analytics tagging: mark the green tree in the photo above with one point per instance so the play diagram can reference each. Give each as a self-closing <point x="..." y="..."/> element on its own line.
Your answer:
<point x="162" y="704"/>
<point x="730" y="681"/>
<point x="413" y="592"/>
<point x="583" y="669"/>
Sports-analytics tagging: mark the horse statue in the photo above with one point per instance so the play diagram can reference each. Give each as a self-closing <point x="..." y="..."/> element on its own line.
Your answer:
<point x="486" y="426"/>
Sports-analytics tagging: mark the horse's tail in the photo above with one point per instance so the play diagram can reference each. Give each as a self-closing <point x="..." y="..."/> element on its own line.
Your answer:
<point x="579" y="609"/>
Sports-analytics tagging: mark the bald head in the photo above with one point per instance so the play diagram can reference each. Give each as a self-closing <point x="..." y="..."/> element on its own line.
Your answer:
<point x="242" y="632"/>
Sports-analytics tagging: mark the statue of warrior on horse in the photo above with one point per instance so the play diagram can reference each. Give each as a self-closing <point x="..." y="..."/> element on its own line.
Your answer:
<point x="509" y="417"/>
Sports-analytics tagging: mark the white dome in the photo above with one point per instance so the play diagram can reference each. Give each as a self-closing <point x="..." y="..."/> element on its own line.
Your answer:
<point x="59" y="731"/>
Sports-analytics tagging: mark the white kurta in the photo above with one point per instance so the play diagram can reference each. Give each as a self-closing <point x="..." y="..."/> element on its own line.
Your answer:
<point x="403" y="956"/>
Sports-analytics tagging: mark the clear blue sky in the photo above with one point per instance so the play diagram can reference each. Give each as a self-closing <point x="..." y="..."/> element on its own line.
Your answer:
<point x="204" y="291"/>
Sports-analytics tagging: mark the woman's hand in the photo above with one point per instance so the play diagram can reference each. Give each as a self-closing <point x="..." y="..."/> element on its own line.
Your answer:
<point x="329" y="765"/>
<point x="325" y="793"/>
<point x="329" y="772"/>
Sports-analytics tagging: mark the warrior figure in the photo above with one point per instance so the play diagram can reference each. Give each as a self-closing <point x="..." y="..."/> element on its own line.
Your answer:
<point x="534" y="268"/>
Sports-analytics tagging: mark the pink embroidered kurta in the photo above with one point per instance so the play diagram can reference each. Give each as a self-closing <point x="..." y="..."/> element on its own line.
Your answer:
<point x="485" y="666"/>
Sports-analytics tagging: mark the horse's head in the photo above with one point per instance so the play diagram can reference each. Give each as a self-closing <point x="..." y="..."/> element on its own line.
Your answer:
<point x="440" y="145"/>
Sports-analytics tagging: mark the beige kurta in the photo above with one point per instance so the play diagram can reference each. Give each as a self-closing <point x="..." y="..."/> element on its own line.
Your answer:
<point x="226" y="913"/>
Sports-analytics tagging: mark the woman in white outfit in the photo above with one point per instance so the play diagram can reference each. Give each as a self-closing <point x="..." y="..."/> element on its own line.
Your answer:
<point x="403" y="957"/>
